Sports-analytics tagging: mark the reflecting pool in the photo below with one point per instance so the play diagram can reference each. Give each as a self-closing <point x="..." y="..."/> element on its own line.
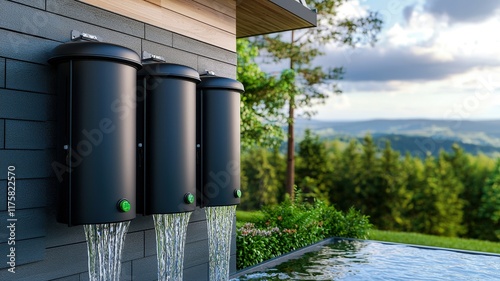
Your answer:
<point x="369" y="260"/>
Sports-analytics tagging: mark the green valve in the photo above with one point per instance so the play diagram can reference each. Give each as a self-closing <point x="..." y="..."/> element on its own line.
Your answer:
<point x="189" y="198"/>
<point x="124" y="205"/>
<point x="237" y="193"/>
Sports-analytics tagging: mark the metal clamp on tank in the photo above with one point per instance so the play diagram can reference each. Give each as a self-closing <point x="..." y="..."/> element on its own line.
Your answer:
<point x="77" y="35"/>
<point x="218" y="138"/>
<point x="146" y="57"/>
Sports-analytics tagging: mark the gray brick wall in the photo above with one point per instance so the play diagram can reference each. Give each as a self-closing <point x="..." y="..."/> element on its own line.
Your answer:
<point x="45" y="249"/>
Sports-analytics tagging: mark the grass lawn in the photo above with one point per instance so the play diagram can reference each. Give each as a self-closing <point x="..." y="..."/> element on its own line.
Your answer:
<point x="435" y="241"/>
<point x="401" y="237"/>
<point x="248" y="216"/>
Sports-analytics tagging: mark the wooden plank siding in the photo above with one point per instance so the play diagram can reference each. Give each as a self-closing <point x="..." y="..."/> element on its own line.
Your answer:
<point x="267" y="16"/>
<point x="212" y="22"/>
<point x="225" y="7"/>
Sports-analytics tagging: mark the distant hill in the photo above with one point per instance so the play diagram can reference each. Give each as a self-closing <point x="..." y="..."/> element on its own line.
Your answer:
<point x="417" y="136"/>
<point x="421" y="146"/>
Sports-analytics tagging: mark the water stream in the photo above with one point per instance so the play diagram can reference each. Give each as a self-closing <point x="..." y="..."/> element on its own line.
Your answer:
<point x="220" y="225"/>
<point x="104" y="244"/>
<point x="170" y="241"/>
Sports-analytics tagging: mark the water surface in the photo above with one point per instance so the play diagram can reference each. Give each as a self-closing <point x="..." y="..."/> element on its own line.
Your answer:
<point x="365" y="260"/>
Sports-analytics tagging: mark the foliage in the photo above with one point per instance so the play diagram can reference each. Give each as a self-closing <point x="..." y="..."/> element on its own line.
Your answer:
<point x="292" y="225"/>
<point x="305" y="83"/>
<point x="489" y="210"/>
<point x="262" y="177"/>
<point x="300" y="50"/>
<point x="255" y="245"/>
<point x="454" y="194"/>
<point x="475" y="174"/>
<point x="313" y="167"/>
<point x="260" y="180"/>
<point x="264" y="97"/>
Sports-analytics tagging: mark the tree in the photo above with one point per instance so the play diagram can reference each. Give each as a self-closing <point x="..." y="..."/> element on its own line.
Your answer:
<point x="261" y="105"/>
<point x="477" y="222"/>
<point x="300" y="48"/>
<point x="313" y="167"/>
<point x="413" y="169"/>
<point x="450" y="204"/>
<point x="437" y="204"/>
<point x="488" y="222"/>
<point x="260" y="181"/>
<point x="277" y="160"/>
<point x="393" y="195"/>
<point x="346" y="178"/>
<point x="473" y="173"/>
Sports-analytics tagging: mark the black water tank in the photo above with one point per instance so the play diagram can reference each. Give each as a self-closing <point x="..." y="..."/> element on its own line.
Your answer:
<point x="96" y="85"/>
<point x="218" y="102"/>
<point x="167" y="122"/>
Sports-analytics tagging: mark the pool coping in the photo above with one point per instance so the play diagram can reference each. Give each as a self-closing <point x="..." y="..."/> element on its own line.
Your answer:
<point x="313" y="247"/>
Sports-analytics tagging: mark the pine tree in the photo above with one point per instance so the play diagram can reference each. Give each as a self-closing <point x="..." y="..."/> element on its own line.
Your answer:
<point x="299" y="49"/>
<point x="313" y="167"/>
<point x="472" y="172"/>
<point x="395" y="196"/>
<point x="413" y="170"/>
<point x="346" y="189"/>
<point x="449" y="202"/>
<point x="371" y="187"/>
<point x="261" y="183"/>
<point x="489" y="212"/>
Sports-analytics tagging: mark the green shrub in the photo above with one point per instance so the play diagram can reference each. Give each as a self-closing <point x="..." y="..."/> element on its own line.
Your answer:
<point x="292" y="225"/>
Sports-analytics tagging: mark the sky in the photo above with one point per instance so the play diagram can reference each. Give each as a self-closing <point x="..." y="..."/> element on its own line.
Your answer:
<point x="435" y="59"/>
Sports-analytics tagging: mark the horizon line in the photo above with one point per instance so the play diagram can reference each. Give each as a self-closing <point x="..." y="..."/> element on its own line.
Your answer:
<point x="399" y="119"/>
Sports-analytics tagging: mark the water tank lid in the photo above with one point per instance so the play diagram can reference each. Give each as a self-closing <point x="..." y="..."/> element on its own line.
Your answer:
<point x="217" y="82"/>
<point x="169" y="70"/>
<point x="94" y="50"/>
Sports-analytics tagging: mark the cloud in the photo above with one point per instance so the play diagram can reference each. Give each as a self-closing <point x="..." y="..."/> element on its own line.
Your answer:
<point x="408" y="11"/>
<point x="463" y="10"/>
<point x="400" y="64"/>
<point x="369" y="86"/>
<point x="420" y="47"/>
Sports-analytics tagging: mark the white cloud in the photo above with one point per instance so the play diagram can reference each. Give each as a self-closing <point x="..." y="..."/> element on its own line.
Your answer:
<point x="463" y="10"/>
<point x="352" y="9"/>
<point x="420" y="28"/>
<point x="471" y="40"/>
<point x="424" y="48"/>
<point x="431" y="62"/>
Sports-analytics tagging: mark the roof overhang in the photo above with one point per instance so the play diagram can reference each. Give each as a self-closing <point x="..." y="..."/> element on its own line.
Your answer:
<point x="257" y="17"/>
